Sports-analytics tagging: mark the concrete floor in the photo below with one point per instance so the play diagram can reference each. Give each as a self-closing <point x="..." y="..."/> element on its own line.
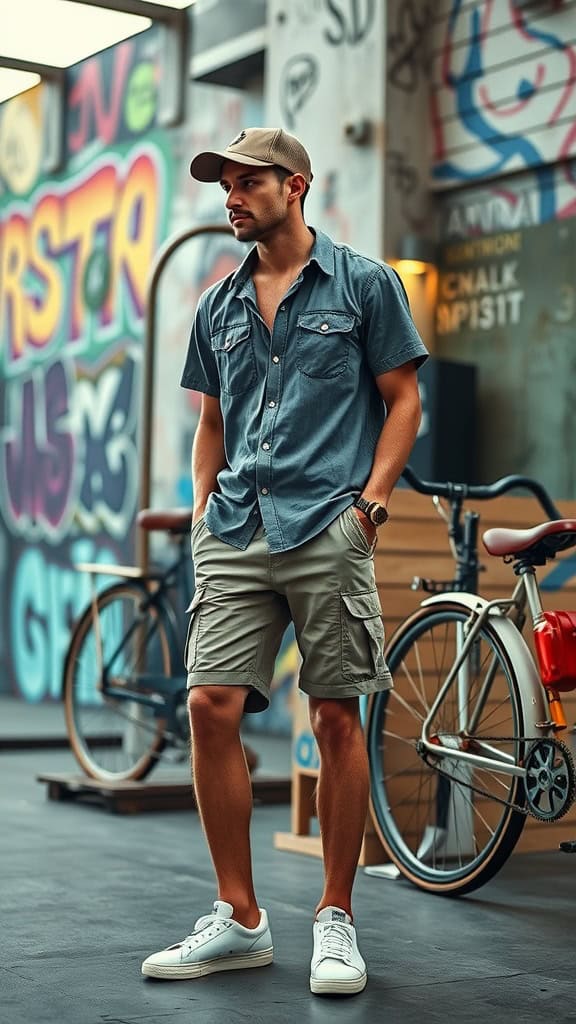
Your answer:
<point x="86" y="895"/>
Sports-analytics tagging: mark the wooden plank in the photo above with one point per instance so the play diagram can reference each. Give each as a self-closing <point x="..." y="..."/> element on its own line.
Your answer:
<point x="311" y="845"/>
<point x="372" y="851"/>
<point x="136" y="797"/>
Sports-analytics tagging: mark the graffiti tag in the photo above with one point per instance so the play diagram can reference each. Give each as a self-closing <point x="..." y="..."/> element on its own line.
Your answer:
<point x="352" y="21"/>
<point x="298" y="82"/>
<point x="408" y="46"/>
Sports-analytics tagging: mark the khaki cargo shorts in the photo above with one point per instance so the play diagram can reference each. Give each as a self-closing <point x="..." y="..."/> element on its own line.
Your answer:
<point x="244" y="600"/>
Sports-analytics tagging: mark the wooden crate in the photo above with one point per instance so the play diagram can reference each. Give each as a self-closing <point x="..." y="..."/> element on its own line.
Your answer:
<point x="414" y="543"/>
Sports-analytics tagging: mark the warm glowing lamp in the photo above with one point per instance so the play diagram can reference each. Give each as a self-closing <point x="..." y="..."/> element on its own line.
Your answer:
<point x="416" y="255"/>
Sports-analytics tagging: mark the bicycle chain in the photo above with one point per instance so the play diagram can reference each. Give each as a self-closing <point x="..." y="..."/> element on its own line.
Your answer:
<point x="483" y="792"/>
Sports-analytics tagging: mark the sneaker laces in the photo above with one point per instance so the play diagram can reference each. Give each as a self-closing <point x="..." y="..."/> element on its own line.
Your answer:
<point x="336" y="941"/>
<point x="206" y="923"/>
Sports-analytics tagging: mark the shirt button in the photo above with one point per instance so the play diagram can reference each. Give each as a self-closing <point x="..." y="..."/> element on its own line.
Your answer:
<point x="271" y="405"/>
<point x="266" y="446"/>
<point x="324" y="327"/>
<point x="282" y="308"/>
<point x="264" y="490"/>
<point x="275" y="359"/>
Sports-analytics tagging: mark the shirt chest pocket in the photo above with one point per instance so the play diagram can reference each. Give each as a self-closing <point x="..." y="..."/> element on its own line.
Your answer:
<point x="324" y="342"/>
<point x="234" y="351"/>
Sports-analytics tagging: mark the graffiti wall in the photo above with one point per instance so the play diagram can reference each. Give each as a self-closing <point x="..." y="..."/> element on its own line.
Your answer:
<point x="408" y="207"/>
<point x="325" y="83"/>
<point x="76" y="250"/>
<point x="504" y="92"/>
<point x="504" y="157"/>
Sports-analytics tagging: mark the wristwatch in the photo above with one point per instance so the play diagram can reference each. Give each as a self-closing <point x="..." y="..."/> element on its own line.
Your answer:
<point x="376" y="513"/>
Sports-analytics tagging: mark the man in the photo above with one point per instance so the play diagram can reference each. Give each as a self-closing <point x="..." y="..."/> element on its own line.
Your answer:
<point x="306" y="358"/>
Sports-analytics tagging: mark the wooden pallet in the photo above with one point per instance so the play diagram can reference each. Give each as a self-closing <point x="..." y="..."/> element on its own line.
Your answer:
<point x="136" y="797"/>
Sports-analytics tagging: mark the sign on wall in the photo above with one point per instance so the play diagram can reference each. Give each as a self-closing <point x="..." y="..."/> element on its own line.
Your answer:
<point x="507" y="303"/>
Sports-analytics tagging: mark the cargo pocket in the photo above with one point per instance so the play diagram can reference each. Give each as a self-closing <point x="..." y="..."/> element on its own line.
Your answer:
<point x="191" y="644"/>
<point x="362" y="637"/>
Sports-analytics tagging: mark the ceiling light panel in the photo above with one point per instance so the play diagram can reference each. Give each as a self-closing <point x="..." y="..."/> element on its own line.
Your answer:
<point x="13" y="82"/>
<point x="63" y="32"/>
<point x="178" y="5"/>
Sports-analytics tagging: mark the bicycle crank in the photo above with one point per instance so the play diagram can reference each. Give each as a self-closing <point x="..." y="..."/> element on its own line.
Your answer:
<point x="550" y="783"/>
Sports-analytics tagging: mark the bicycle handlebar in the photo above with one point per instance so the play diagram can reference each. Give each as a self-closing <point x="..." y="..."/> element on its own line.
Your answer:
<point x="483" y="492"/>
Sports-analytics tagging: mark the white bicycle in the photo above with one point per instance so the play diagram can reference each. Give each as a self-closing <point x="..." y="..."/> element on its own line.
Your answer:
<point x="469" y="740"/>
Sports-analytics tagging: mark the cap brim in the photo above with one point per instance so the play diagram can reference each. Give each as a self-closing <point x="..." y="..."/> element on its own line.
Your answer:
<point x="208" y="166"/>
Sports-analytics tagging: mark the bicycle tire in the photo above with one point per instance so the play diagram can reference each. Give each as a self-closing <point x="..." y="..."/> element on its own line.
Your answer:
<point x="443" y="836"/>
<point x="114" y="740"/>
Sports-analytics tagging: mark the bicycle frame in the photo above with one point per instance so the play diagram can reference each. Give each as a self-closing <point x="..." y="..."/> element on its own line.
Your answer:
<point x="163" y="691"/>
<point x="536" y="720"/>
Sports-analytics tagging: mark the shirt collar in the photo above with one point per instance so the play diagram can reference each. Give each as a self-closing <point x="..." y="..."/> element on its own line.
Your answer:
<point x="241" y="275"/>
<point x="322" y="253"/>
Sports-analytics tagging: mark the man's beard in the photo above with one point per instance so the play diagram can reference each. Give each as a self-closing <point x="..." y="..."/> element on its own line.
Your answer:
<point x="251" y="231"/>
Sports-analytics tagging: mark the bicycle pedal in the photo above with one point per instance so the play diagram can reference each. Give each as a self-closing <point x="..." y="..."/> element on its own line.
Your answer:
<point x="568" y="846"/>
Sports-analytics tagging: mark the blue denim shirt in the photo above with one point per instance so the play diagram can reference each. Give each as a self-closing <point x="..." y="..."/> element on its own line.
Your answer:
<point x="301" y="409"/>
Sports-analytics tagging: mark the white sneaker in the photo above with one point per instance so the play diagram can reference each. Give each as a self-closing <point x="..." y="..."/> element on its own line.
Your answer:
<point x="218" y="943"/>
<point x="337" y="966"/>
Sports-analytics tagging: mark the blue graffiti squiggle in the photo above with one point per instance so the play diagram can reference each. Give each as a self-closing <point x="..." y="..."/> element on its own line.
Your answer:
<point x="506" y="147"/>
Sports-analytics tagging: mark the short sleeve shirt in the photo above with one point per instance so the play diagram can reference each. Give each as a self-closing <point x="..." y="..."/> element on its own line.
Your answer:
<point x="301" y="409"/>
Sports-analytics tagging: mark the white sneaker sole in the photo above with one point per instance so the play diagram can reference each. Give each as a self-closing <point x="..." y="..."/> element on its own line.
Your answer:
<point x="198" y="970"/>
<point x="326" y="987"/>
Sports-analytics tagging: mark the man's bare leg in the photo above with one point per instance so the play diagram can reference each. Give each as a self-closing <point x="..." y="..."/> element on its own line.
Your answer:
<point x="224" y="793"/>
<point x="342" y="795"/>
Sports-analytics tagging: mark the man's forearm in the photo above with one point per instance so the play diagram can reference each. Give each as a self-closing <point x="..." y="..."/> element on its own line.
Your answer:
<point x="392" y="450"/>
<point x="208" y="458"/>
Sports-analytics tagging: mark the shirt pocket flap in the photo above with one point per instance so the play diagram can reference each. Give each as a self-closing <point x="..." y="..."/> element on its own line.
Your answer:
<point x="326" y="323"/>
<point x="198" y="595"/>
<point x="363" y="606"/>
<point x="226" y="340"/>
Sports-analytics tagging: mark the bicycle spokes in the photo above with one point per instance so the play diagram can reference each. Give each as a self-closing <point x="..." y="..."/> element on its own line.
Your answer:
<point x="116" y="725"/>
<point x="444" y="747"/>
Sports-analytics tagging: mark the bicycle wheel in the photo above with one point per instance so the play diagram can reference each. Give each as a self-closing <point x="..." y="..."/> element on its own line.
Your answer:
<point x="442" y="820"/>
<point x="115" y="643"/>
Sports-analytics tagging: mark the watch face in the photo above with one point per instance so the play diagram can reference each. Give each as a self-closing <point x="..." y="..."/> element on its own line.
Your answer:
<point x="379" y="515"/>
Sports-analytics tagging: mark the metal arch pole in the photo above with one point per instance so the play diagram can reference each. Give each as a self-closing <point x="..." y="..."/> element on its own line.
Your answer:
<point x="147" y="403"/>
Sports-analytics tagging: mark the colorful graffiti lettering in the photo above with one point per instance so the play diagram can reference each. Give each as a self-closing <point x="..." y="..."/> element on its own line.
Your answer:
<point x="68" y="451"/>
<point x="104" y="415"/>
<point x="37" y="453"/>
<point x="486" y="122"/>
<point x="46" y="598"/>
<point x="112" y="95"/>
<point x="47" y="250"/>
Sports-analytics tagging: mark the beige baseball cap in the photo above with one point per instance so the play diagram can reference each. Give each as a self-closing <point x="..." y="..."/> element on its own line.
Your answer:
<point x="256" y="147"/>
